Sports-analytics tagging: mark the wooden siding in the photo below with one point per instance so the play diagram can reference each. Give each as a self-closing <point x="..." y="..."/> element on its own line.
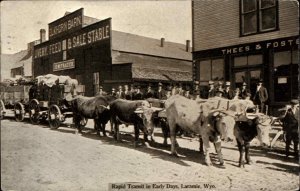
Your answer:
<point x="217" y="24"/>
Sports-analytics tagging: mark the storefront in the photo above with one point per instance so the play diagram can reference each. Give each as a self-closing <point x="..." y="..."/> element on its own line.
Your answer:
<point x="274" y="61"/>
<point x="247" y="41"/>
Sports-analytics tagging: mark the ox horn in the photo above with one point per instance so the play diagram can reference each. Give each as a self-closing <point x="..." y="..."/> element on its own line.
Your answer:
<point x="139" y="111"/>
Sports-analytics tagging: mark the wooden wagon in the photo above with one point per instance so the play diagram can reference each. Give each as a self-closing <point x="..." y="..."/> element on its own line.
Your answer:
<point x="14" y="99"/>
<point x="48" y="103"/>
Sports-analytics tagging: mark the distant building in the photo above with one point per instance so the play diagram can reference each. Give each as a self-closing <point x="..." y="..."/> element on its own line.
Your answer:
<point x="90" y="51"/>
<point x="23" y="66"/>
<point x="245" y="41"/>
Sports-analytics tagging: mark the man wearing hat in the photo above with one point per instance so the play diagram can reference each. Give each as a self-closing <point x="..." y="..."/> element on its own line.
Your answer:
<point x="113" y="92"/>
<point x="138" y="95"/>
<point x="127" y="93"/>
<point x="290" y="127"/>
<point x="260" y="96"/>
<point x="244" y="91"/>
<point x="196" y="91"/>
<point x="149" y="93"/>
<point x="228" y="92"/>
<point x="101" y="92"/>
<point x="212" y="90"/>
<point x="180" y="90"/>
<point x="120" y="93"/>
<point x="160" y="94"/>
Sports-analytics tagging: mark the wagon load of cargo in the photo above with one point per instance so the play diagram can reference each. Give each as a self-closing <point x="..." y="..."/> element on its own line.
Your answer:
<point x="70" y="85"/>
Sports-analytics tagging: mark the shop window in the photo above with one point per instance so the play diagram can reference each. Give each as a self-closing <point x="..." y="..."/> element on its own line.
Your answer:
<point x="258" y="16"/>
<point x="285" y="75"/>
<point x="211" y="70"/>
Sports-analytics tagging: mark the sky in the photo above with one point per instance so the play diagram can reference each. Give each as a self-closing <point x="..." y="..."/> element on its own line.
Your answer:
<point x="21" y="21"/>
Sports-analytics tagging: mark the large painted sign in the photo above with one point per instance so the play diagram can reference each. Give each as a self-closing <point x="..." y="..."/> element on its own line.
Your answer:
<point x="71" y="22"/>
<point x="272" y="44"/>
<point x="86" y="36"/>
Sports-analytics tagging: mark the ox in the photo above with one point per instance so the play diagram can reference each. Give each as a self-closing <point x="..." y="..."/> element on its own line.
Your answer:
<point x="96" y="108"/>
<point x="138" y="113"/>
<point x="192" y="116"/>
<point x="248" y="127"/>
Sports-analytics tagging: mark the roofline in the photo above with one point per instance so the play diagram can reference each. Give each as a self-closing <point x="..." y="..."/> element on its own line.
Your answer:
<point x="155" y="55"/>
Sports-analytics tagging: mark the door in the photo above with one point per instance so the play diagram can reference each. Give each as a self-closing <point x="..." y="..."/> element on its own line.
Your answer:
<point x="250" y="76"/>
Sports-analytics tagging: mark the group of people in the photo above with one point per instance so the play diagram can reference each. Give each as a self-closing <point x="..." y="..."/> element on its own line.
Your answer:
<point x="213" y="89"/>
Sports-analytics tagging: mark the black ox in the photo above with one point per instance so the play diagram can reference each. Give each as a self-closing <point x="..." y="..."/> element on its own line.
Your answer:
<point x="96" y="108"/>
<point x="246" y="129"/>
<point x="138" y="113"/>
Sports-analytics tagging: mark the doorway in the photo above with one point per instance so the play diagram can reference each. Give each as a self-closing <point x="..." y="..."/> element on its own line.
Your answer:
<point x="250" y="76"/>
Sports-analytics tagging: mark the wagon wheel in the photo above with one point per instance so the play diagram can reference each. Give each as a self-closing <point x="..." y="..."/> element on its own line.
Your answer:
<point x="34" y="111"/>
<point x="54" y="115"/>
<point x="19" y="111"/>
<point x="83" y="122"/>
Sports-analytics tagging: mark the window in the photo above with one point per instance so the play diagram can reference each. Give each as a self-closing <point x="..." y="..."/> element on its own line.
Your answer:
<point x="248" y="60"/>
<point x="211" y="70"/>
<point x="286" y="75"/>
<point x="258" y="16"/>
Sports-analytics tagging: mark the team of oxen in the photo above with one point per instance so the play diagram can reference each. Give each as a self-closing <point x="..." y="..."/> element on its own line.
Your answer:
<point x="213" y="119"/>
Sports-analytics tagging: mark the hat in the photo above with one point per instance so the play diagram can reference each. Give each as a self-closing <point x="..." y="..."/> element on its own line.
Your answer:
<point x="220" y="82"/>
<point x="138" y="87"/>
<point x="210" y="82"/>
<point x="294" y="101"/>
<point x="196" y="82"/>
<point x="100" y="87"/>
<point x="113" y="89"/>
<point x="244" y="84"/>
<point x="260" y="81"/>
<point x="159" y="84"/>
<point x="227" y="83"/>
<point x="120" y="87"/>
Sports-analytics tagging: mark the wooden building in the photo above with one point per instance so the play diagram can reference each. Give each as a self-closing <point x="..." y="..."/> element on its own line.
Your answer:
<point x="89" y="50"/>
<point x="245" y="41"/>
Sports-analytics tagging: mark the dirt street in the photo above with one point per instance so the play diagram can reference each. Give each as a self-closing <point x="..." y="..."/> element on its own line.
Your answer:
<point x="38" y="158"/>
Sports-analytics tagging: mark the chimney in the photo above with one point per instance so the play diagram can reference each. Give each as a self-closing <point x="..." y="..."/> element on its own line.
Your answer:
<point x="187" y="45"/>
<point x="162" y="42"/>
<point x="43" y="35"/>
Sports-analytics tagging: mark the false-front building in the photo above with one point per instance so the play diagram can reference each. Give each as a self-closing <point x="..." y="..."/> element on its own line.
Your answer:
<point x="89" y="50"/>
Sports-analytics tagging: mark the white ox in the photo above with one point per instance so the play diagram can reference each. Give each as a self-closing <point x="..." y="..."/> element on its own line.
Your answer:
<point x="190" y="115"/>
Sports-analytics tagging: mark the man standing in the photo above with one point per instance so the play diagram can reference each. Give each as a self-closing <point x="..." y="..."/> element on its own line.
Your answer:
<point x="211" y="91"/>
<point x="260" y="96"/>
<point x="228" y="92"/>
<point x="101" y="92"/>
<point x="244" y="91"/>
<point x="160" y="94"/>
<point x="138" y="95"/>
<point x="196" y="91"/>
<point x="113" y="92"/>
<point x="149" y="93"/>
<point x="120" y="93"/>
<point x="127" y="93"/>
<point x="180" y="90"/>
